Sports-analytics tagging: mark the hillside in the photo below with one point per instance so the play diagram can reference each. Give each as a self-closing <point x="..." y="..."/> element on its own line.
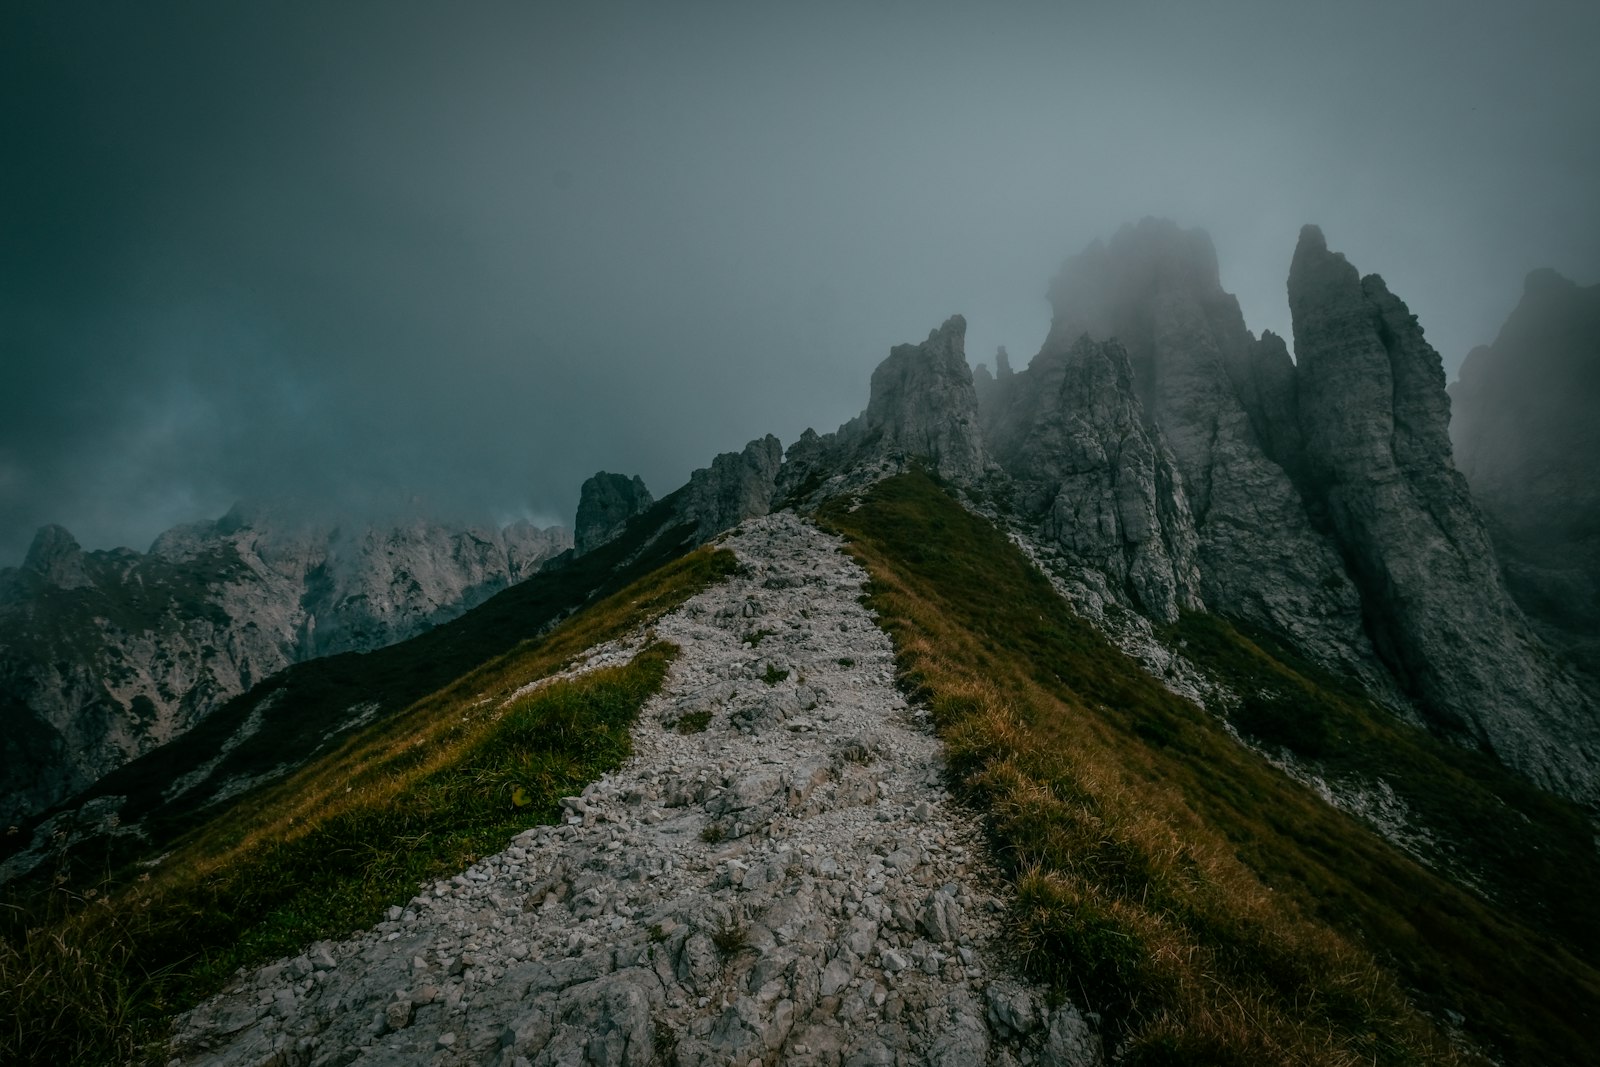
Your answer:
<point x="106" y="655"/>
<point x="1158" y="703"/>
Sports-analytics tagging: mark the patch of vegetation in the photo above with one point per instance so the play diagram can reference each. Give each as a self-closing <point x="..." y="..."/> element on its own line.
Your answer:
<point x="1277" y="719"/>
<point x="665" y="1041"/>
<point x="846" y="662"/>
<point x="95" y="976"/>
<point x="731" y="938"/>
<point x="774" y="674"/>
<point x="1209" y="907"/>
<point x="695" y="722"/>
<point x="1531" y="851"/>
<point x="714" y="833"/>
<point x="755" y="637"/>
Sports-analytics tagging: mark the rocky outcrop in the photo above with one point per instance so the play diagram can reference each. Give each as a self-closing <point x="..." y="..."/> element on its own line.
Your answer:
<point x="924" y="406"/>
<point x="57" y="558"/>
<point x="737" y="486"/>
<point x="1527" y="439"/>
<point x="1219" y="400"/>
<point x="105" y="655"/>
<point x="605" y="504"/>
<point x="923" y="410"/>
<point x="1094" y="478"/>
<point x="792" y="885"/>
<point x="1374" y="417"/>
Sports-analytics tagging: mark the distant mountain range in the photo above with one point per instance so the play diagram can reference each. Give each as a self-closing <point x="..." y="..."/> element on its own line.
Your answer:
<point x="106" y="655"/>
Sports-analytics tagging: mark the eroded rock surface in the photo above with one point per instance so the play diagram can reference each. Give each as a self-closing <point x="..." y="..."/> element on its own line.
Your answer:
<point x="923" y="404"/>
<point x="1527" y="439"/>
<point x="1375" y="418"/>
<point x="737" y="486"/>
<point x="605" y="504"/>
<point x="1103" y="487"/>
<point x="1155" y="287"/>
<point x="793" y="885"/>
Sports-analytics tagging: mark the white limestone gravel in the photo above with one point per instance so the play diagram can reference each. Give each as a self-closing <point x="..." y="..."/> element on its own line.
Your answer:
<point x="792" y="885"/>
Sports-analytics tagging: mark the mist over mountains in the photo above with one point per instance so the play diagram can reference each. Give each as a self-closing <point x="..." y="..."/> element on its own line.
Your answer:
<point x="1320" y="694"/>
<point x="383" y="252"/>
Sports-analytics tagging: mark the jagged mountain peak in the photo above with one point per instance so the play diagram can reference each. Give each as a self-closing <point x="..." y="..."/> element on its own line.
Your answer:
<point x="605" y="503"/>
<point x="56" y="556"/>
<point x="1375" y="415"/>
<point x="923" y="403"/>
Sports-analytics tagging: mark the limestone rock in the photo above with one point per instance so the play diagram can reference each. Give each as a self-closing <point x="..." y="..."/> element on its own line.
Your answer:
<point x="1156" y="289"/>
<point x="1099" y="483"/>
<point x="737" y="486"/>
<point x="923" y="405"/>
<point x="1375" y="416"/>
<point x="56" y="557"/>
<point x="825" y="924"/>
<point x="1527" y="439"/>
<point x="605" y="504"/>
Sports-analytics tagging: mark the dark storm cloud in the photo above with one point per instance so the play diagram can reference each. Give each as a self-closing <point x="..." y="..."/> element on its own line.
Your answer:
<point x="368" y="256"/>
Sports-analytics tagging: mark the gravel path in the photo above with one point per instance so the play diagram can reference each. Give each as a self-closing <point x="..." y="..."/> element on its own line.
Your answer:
<point x="791" y="885"/>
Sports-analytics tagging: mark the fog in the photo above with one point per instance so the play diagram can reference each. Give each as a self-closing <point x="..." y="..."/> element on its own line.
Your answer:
<point x="397" y="256"/>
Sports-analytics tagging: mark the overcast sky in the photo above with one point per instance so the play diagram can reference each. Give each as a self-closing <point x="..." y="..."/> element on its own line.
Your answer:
<point x="460" y="256"/>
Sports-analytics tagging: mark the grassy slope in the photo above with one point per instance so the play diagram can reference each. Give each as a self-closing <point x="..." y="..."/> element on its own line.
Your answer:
<point x="325" y="851"/>
<point x="312" y="695"/>
<point x="1210" y="908"/>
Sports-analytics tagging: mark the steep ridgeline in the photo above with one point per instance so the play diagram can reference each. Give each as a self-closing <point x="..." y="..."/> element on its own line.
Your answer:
<point x="778" y="875"/>
<point x="1215" y="412"/>
<point x="1103" y="487"/>
<point x="1156" y="443"/>
<point x="105" y="655"/>
<point x="1527" y="440"/>
<point x="1375" y="419"/>
<point x="737" y="486"/>
<point x="923" y="408"/>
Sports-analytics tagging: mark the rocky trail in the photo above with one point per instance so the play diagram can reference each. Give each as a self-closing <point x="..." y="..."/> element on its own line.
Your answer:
<point x="792" y="884"/>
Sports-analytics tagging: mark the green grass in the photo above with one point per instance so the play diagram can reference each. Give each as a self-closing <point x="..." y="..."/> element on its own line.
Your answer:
<point x="1210" y="908"/>
<point x="695" y="722"/>
<point x="94" y="977"/>
<point x="1533" y="853"/>
<point x="297" y="706"/>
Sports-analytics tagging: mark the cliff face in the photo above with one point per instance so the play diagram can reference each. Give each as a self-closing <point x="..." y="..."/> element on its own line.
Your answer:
<point x="1098" y="483"/>
<point x="104" y="655"/>
<point x="1223" y="404"/>
<point x="1527" y="439"/>
<point x="605" y="504"/>
<point x="737" y="486"/>
<point x="1375" y="418"/>
<point x="923" y="403"/>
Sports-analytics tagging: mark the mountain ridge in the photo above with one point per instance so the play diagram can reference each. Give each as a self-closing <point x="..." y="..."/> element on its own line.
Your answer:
<point x="1215" y="641"/>
<point x="105" y="655"/>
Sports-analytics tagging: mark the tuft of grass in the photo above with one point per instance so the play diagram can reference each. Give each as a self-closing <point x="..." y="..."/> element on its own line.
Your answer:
<point x="731" y="938"/>
<point x="695" y="722"/>
<point x="714" y="833"/>
<point x="774" y="674"/>
<point x="1209" y="907"/>
<point x="755" y="637"/>
<point x="323" y="854"/>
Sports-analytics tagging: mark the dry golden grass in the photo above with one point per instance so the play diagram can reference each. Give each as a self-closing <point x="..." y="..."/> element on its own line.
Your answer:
<point x="93" y="978"/>
<point x="1212" y="910"/>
